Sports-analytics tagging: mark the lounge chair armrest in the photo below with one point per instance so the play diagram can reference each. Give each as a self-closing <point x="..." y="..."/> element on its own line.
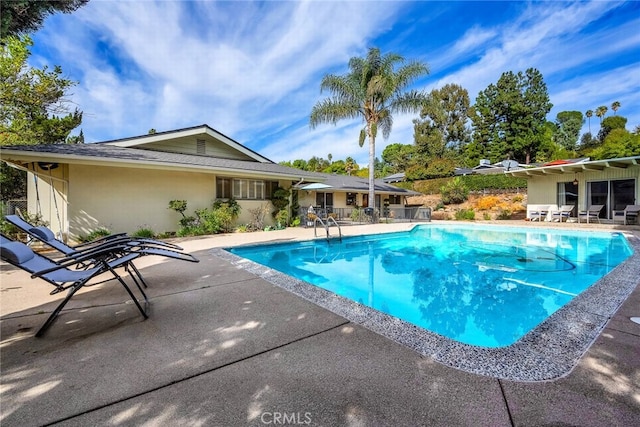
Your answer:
<point x="92" y="255"/>
<point x="101" y="240"/>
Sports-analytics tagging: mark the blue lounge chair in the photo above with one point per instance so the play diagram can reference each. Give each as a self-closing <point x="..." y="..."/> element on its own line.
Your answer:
<point x="140" y="246"/>
<point x="64" y="278"/>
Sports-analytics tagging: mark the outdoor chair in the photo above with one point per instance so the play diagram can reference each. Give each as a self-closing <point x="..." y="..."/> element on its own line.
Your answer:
<point x="592" y="212"/>
<point x="64" y="278"/>
<point x="46" y="236"/>
<point x="629" y="215"/>
<point x="539" y="214"/>
<point x="116" y="242"/>
<point x="564" y="213"/>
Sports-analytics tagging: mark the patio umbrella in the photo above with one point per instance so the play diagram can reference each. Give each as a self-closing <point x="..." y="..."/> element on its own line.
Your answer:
<point x="315" y="186"/>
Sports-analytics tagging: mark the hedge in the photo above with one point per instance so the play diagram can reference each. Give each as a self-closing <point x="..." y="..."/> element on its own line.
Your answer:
<point x="472" y="182"/>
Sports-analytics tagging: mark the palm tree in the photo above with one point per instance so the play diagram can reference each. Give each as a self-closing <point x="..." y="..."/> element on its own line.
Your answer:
<point x="372" y="90"/>
<point x="615" y="106"/>
<point x="601" y="111"/>
<point x="589" y="114"/>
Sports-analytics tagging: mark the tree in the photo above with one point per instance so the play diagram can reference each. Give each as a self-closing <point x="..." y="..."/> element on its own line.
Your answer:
<point x="509" y="117"/>
<point x="568" y="125"/>
<point x="20" y="17"/>
<point x="601" y="111"/>
<point x="373" y="90"/>
<point x="615" y="107"/>
<point x="618" y="143"/>
<point x="32" y="100"/>
<point x="442" y="129"/>
<point x="610" y="123"/>
<point x="350" y="165"/>
<point x="398" y="156"/>
<point x="589" y="114"/>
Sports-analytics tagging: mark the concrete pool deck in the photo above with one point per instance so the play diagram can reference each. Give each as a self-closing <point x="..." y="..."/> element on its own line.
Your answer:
<point x="225" y="347"/>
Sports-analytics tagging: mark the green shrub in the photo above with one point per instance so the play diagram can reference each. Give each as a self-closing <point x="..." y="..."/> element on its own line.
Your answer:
<point x="295" y="222"/>
<point x="280" y="201"/>
<point x="282" y="219"/>
<point x="486" y="216"/>
<point x="219" y="218"/>
<point x="472" y="182"/>
<point x="95" y="234"/>
<point x="210" y="221"/>
<point x="504" y="214"/>
<point x="465" y="214"/>
<point x="454" y="192"/>
<point x="144" y="233"/>
<point x="242" y="228"/>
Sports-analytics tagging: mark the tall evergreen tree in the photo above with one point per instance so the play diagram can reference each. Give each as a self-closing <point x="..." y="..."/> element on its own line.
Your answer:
<point x="568" y="125"/>
<point x="509" y="116"/>
<point x="442" y="127"/>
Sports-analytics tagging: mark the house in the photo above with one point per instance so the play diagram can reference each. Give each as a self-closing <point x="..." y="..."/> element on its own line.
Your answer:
<point x="127" y="184"/>
<point x="340" y="194"/>
<point x="613" y="183"/>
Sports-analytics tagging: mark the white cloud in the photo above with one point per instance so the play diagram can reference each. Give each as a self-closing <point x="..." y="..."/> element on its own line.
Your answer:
<point x="252" y="70"/>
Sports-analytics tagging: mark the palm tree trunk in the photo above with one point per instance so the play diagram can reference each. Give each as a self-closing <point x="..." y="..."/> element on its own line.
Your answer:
<point x="372" y="159"/>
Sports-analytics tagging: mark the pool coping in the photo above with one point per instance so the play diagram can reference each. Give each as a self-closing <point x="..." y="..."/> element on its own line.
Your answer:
<point x="549" y="351"/>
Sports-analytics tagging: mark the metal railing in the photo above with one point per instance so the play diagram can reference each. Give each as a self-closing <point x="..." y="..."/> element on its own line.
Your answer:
<point x="326" y="226"/>
<point x="346" y="216"/>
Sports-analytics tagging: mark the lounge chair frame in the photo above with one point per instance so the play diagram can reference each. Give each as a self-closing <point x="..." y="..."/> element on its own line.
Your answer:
<point x="629" y="215"/>
<point x="65" y="279"/>
<point x="592" y="211"/>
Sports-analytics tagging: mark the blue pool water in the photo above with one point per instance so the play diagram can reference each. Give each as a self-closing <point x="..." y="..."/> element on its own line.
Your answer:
<point x="485" y="286"/>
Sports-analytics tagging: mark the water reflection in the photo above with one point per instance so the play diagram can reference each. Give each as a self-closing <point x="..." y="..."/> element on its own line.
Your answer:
<point x="476" y="286"/>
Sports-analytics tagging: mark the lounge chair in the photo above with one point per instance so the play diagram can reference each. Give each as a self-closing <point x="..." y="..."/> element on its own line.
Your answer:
<point x="629" y="215"/>
<point x="45" y="235"/>
<point x="140" y="246"/>
<point x="539" y="214"/>
<point x="564" y="213"/>
<point x="592" y="212"/>
<point x="64" y="278"/>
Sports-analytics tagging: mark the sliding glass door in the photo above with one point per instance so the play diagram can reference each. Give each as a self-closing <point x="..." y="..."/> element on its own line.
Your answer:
<point x="614" y="195"/>
<point x="623" y="193"/>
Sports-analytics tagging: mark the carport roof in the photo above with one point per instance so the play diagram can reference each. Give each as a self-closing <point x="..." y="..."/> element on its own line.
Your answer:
<point x="572" y="168"/>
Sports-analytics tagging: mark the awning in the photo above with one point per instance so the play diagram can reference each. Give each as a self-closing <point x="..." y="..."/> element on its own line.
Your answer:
<point x="315" y="186"/>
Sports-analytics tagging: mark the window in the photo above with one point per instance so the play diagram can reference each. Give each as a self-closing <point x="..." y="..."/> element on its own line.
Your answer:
<point x="567" y="194"/>
<point x="271" y="187"/>
<point x="324" y="200"/>
<point x="395" y="199"/>
<point x="351" y="199"/>
<point x="251" y="189"/>
<point x="223" y="188"/>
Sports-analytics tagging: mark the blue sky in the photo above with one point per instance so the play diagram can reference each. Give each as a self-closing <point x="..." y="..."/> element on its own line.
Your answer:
<point x="252" y="70"/>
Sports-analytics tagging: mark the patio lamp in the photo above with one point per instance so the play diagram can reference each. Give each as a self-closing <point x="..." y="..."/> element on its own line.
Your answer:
<point x="575" y="181"/>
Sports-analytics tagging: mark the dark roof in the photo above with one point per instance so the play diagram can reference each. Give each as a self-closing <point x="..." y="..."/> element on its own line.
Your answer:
<point x="204" y="128"/>
<point x="104" y="152"/>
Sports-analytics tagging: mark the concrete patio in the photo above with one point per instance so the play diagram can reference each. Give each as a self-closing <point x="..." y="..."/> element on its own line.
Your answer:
<point x="223" y="347"/>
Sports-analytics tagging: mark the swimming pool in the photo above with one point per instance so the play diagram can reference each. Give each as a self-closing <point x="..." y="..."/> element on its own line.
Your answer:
<point x="548" y="351"/>
<point x="480" y="286"/>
